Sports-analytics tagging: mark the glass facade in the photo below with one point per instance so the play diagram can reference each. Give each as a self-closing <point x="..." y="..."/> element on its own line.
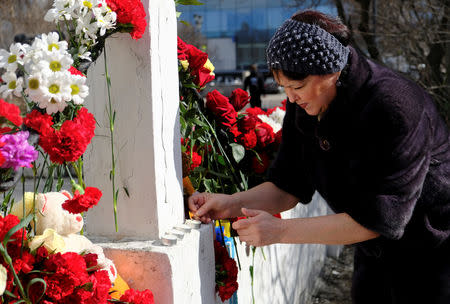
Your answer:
<point x="249" y="23"/>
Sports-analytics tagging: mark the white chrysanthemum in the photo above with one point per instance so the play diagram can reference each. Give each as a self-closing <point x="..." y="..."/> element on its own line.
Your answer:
<point x="86" y="6"/>
<point x="56" y="92"/>
<point x="104" y="19"/>
<point x="83" y="54"/>
<point x="79" y="90"/>
<point x="62" y="10"/>
<point x="10" y="60"/>
<point x="34" y="55"/>
<point x="278" y="115"/>
<point x="13" y="85"/>
<point x="50" y="43"/>
<point x="275" y="120"/>
<point x="87" y="28"/>
<point x="3" y="279"/>
<point x="56" y="61"/>
<point x="34" y="87"/>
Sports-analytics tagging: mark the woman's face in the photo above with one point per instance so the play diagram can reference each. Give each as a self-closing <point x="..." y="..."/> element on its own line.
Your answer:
<point x="313" y="94"/>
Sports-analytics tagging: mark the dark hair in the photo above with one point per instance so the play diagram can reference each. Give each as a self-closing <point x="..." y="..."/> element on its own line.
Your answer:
<point x="332" y="25"/>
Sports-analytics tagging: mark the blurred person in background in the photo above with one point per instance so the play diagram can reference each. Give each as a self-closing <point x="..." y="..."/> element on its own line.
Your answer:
<point x="255" y="83"/>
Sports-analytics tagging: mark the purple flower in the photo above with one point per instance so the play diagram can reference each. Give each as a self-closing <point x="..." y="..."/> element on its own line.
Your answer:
<point x="17" y="151"/>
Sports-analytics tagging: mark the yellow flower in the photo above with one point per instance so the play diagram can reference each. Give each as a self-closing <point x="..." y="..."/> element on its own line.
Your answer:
<point x="50" y="239"/>
<point x="208" y="65"/>
<point x="185" y="64"/>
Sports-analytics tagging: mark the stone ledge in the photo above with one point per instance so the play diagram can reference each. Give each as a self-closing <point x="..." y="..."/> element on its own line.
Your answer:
<point x="183" y="273"/>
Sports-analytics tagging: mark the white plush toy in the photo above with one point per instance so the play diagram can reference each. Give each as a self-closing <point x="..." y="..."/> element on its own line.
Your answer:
<point x="58" y="230"/>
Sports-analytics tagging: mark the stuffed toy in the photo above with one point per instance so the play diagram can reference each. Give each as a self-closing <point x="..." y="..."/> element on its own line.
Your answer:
<point x="58" y="230"/>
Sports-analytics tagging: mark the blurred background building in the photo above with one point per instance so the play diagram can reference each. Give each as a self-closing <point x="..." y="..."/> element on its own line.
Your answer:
<point x="237" y="32"/>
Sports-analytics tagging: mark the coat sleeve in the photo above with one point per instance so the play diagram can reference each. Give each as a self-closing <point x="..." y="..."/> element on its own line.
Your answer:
<point x="289" y="171"/>
<point x="394" y="148"/>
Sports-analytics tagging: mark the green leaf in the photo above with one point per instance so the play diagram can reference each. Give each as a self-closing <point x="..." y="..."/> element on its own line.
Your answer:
<point x="126" y="191"/>
<point x="59" y="184"/>
<point x="23" y="223"/>
<point x="221" y="160"/>
<point x="251" y="271"/>
<point x="10" y="294"/>
<point x="208" y="185"/>
<point x="185" y="23"/>
<point x="244" y="183"/>
<point x="198" y="122"/>
<point x="34" y="281"/>
<point x="238" y="151"/>
<point x="76" y="186"/>
<point x="178" y="14"/>
<point x="190" y="85"/>
<point x="187" y="2"/>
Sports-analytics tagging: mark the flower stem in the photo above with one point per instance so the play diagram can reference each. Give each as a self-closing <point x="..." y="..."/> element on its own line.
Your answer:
<point x="111" y="116"/>
<point x="8" y="261"/>
<point x="252" y="269"/>
<point x="23" y="209"/>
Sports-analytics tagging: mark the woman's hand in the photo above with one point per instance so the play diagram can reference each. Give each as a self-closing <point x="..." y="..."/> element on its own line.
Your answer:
<point x="259" y="228"/>
<point x="212" y="206"/>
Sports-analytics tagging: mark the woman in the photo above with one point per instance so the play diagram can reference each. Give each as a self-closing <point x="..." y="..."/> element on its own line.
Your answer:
<point x="373" y="145"/>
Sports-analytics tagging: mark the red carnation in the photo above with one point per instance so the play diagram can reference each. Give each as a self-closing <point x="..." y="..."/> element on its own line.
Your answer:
<point x="8" y="222"/>
<point x="247" y="123"/>
<point x="264" y="133"/>
<point x="38" y="121"/>
<point x="219" y="105"/>
<point x="196" y="159"/>
<point x="226" y="291"/>
<point x="5" y="130"/>
<point x="226" y="272"/>
<point x="64" y="272"/>
<point x="11" y="112"/>
<point x="130" y="12"/>
<point x="255" y="111"/>
<point x="75" y="71"/>
<point x="23" y="263"/>
<point x="69" y="142"/>
<point x="2" y="158"/>
<point x="87" y="120"/>
<point x="248" y="140"/>
<point x="82" y="202"/>
<point x="41" y="254"/>
<point x="278" y="137"/>
<point x="260" y="166"/>
<point x="133" y="296"/>
<point x="90" y="259"/>
<point x="182" y="49"/>
<point x="100" y="285"/>
<point x="239" y="99"/>
<point x="235" y="131"/>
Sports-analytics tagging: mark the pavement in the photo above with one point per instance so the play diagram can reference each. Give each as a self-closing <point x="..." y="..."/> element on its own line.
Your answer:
<point x="272" y="100"/>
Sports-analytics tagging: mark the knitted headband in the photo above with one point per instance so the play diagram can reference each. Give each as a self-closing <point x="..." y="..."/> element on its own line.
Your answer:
<point x="305" y="48"/>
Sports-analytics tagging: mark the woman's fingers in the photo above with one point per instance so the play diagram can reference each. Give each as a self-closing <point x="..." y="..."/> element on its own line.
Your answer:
<point x="259" y="229"/>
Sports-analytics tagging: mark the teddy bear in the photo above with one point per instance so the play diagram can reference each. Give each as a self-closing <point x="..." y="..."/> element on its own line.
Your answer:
<point x="58" y="230"/>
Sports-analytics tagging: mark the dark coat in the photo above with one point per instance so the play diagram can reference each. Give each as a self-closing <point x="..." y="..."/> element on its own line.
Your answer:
<point x="381" y="153"/>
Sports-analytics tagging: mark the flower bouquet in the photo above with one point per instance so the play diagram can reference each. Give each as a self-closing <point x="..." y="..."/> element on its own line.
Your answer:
<point x="225" y="147"/>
